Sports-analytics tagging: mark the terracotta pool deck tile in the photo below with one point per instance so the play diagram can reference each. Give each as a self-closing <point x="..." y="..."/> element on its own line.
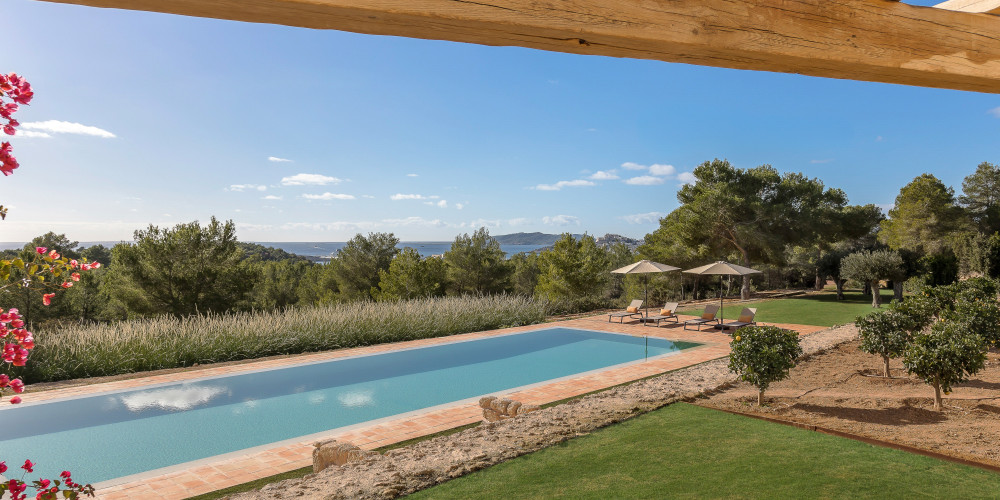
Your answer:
<point x="255" y="465"/>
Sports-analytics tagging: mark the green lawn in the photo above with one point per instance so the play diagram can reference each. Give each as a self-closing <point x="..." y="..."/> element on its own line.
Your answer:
<point x="820" y="309"/>
<point x="685" y="451"/>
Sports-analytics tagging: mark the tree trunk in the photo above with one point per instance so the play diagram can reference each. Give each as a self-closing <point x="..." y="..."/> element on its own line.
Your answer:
<point x="876" y="297"/>
<point x="760" y="397"/>
<point x="840" y="288"/>
<point x="745" y="289"/>
<point x="885" y="361"/>
<point x="820" y="280"/>
<point x="897" y="290"/>
<point x="937" y="394"/>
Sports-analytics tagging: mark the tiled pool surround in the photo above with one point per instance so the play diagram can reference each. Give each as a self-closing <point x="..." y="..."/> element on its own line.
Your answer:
<point x="245" y="465"/>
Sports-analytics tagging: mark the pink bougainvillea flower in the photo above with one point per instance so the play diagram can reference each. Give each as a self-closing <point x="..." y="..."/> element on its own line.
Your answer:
<point x="17" y="323"/>
<point x="53" y="253"/>
<point x="95" y="265"/>
<point x="75" y="276"/>
<point x="41" y="250"/>
<point x="3" y="467"/>
<point x="47" y="298"/>
<point x="4" y="382"/>
<point x="73" y="263"/>
<point x="17" y="385"/>
<point x="28" y="466"/>
<point x="66" y="284"/>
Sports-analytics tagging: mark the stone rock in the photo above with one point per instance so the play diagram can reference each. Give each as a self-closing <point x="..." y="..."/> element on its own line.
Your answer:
<point x="333" y="452"/>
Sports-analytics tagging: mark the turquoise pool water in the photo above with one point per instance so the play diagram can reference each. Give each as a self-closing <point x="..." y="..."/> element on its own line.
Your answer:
<point x="110" y="435"/>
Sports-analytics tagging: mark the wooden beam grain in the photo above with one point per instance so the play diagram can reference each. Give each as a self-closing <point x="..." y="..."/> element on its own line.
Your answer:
<point x="869" y="40"/>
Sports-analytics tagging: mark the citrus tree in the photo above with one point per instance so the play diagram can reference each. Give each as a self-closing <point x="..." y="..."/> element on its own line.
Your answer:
<point x="948" y="354"/>
<point x="762" y="355"/>
<point x="885" y="334"/>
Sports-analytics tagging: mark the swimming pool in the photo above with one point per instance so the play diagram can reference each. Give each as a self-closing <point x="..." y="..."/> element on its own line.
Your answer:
<point x="111" y="435"/>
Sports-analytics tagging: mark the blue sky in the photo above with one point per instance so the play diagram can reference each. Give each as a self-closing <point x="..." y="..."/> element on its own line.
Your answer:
<point x="171" y="119"/>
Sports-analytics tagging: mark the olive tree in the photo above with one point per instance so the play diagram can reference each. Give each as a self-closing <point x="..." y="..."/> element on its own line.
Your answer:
<point x="870" y="267"/>
<point x="946" y="355"/>
<point x="762" y="355"/>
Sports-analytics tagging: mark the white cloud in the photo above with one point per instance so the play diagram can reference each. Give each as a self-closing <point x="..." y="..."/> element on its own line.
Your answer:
<point x="995" y="111"/>
<point x="401" y="196"/>
<point x="61" y="127"/>
<point x="443" y="204"/>
<point x="633" y="166"/>
<point x="31" y="133"/>
<point x="686" y="178"/>
<point x="247" y="187"/>
<point x="328" y="196"/>
<point x="643" y="218"/>
<point x="411" y="175"/>
<point x="459" y="206"/>
<point x="644" y="180"/>
<point x="367" y="196"/>
<point x="602" y="175"/>
<point x="278" y="160"/>
<point x="561" y="220"/>
<point x="414" y="221"/>
<point x="330" y="226"/>
<point x="561" y="184"/>
<point x="662" y="170"/>
<point x="309" y="180"/>
<point x="271" y="197"/>
<point x="253" y="227"/>
<point x="494" y="223"/>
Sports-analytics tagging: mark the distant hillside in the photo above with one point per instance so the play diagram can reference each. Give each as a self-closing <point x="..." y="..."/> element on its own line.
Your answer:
<point x="528" y="238"/>
<point x="605" y="241"/>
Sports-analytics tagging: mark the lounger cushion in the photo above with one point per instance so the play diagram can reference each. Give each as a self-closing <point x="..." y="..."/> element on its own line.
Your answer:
<point x="666" y="312"/>
<point x="707" y="316"/>
<point x="746" y="318"/>
<point x="632" y="310"/>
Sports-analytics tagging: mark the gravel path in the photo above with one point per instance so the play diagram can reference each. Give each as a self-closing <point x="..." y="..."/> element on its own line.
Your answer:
<point x="424" y="464"/>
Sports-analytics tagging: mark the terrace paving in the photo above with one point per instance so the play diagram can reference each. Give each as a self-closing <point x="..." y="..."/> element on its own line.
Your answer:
<point x="208" y="475"/>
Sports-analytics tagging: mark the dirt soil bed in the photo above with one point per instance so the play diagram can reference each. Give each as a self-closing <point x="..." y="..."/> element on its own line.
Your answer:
<point x="842" y="389"/>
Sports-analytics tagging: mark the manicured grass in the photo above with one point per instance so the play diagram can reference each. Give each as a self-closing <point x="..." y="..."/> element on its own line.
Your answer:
<point x="685" y="451"/>
<point x="822" y="309"/>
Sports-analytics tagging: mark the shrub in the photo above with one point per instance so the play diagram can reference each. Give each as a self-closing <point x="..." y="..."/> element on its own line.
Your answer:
<point x="948" y="354"/>
<point x="886" y="334"/>
<point x="762" y="355"/>
<point x="164" y="342"/>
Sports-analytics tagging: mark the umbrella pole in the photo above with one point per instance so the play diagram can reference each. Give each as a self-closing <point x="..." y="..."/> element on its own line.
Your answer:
<point x="722" y="306"/>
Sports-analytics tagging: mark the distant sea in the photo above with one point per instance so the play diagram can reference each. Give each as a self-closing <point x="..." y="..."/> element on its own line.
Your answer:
<point x="327" y="248"/>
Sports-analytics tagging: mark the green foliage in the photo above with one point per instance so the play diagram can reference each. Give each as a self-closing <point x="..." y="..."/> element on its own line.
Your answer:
<point x="185" y="270"/>
<point x="924" y="218"/>
<point x="165" y="342"/>
<point x="524" y="279"/>
<point x="572" y="269"/>
<point x="946" y="355"/>
<point x="762" y="355"/>
<point x="477" y="265"/>
<point x="979" y="254"/>
<point x="940" y="268"/>
<point x="870" y="267"/>
<point x="981" y="197"/>
<point x="411" y="277"/>
<point x="919" y="311"/>
<point x="280" y="283"/>
<point x="886" y="334"/>
<point x="359" y="263"/>
<point x="260" y="253"/>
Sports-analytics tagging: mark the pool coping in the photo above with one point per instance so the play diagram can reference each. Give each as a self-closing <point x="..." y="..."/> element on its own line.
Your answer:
<point x="248" y="465"/>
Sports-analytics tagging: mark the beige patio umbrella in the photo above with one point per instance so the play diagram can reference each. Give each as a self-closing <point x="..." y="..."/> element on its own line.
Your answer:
<point x="644" y="267"/>
<point x="722" y="268"/>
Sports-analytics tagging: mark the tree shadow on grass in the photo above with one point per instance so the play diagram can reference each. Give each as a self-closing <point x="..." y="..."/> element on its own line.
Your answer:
<point x="980" y="384"/>
<point x="850" y="297"/>
<point x="904" y="415"/>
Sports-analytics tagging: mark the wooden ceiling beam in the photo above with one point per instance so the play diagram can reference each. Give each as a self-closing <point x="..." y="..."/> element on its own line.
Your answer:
<point x="879" y="41"/>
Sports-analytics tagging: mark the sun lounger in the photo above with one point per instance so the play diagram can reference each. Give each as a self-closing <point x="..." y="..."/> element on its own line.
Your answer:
<point x="630" y="312"/>
<point x="746" y="319"/>
<point x="707" y="317"/>
<point x="668" y="313"/>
